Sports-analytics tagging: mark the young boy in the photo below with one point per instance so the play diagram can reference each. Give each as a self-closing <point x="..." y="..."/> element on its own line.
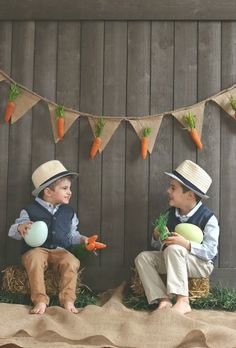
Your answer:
<point x="180" y="258"/>
<point x="52" y="183"/>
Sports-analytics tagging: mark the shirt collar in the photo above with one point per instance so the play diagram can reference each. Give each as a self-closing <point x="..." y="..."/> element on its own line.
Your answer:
<point x="46" y="204"/>
<point x="187" y="216"/>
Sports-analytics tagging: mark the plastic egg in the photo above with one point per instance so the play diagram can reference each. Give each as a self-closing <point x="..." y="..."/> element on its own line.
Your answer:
<point x="36" y="234"/>
<point x="190" y="232"/>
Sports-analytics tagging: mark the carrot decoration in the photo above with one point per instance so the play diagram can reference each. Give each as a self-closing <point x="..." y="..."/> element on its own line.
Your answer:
<point x="145" y="141"/>
<point x="97" y="141"/>
<point x="14" y="92"/>
<point x="233" y="104"/>
<point x="60" y="112"/>
<point x="92" y="245"/>
<point x="190" y="119"/>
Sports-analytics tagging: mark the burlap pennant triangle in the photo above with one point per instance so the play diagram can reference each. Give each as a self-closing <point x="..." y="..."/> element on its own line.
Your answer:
<point x="23" y="102"/>
<point x="150" y="122"/>
<point x="109" y="129"/>
<point x="197" y="110"/>
<point x="223" y="100"/>
<point x="69" y="116"/>
<point x="2" y="77"/>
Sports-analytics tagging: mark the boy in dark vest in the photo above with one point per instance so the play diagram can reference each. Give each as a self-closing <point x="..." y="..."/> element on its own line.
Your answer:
<point x="52" y="193"/>
<point x="178" y="257"/>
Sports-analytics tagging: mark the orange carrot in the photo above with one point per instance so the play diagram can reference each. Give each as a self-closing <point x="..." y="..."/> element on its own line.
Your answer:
<point x="144" y="142"/>
<point x="9" y="110"/>
<point x="97" y="141"/>
<point x="190" y="120"/>
<point x="60" y="112"/>
<point x="92" y="245"/>
<point x="13" y="93"/>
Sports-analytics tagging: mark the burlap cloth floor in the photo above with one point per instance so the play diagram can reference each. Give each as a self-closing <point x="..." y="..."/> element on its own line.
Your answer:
<point x="113" y="325"/>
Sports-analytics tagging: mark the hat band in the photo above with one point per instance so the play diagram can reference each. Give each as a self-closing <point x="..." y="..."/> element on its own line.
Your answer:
<point x="188" y="183"/>
<point x="55" y="176"/>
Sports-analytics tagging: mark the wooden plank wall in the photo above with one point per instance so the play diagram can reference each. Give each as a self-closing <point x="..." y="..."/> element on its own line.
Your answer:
<point x="119" y="68"/>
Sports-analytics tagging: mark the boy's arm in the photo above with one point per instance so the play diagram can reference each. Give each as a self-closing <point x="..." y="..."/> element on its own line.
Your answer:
<point x="76" y="237"/>
<point x="13" y="231"/>
<point x="208" y="249"/>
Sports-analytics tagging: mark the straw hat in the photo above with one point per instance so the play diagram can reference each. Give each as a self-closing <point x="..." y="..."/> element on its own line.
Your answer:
<point x="47" y="173"/>
<point x="193" y="177"/>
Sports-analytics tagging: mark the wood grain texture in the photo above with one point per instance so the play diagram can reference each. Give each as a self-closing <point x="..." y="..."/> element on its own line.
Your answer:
<point x="117" y="10"/>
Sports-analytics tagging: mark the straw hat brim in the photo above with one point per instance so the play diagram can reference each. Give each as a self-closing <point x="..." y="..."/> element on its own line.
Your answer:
<point x="203" y="196"/>
<point x="37" y="190"/>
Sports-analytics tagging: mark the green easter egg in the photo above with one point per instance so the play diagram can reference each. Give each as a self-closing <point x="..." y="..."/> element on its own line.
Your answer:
<point x="190" y="232"/>
<point x="36" y="234"/>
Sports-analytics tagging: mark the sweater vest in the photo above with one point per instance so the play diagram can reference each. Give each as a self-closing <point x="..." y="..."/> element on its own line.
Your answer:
<point x="59" y="225"/>
<point x="199" y="218"/>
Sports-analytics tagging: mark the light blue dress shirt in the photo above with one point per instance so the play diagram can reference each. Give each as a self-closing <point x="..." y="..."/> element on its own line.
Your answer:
<point x="208" y="249"/>
<point x="24" y="217"/>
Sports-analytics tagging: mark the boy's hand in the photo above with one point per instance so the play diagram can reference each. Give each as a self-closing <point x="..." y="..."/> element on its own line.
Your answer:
<point x="156" y="233"/>
<point x="83" y="240"/>
<point x="23" y="228"/>
<point x="178" y="239"/>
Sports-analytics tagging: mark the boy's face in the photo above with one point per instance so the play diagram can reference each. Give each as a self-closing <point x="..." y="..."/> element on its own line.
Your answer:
<point x="60" y="194"/>
<point x="177" y="197"/>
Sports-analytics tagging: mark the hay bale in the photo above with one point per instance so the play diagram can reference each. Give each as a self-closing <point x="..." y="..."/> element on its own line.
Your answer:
<point x="198" y="287"/>
<point x="15" y="280"/>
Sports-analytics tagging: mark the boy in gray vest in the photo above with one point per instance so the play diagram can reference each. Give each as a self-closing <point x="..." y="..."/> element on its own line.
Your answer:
<point x="178" y="257"/>
<point x="52" y="193"/>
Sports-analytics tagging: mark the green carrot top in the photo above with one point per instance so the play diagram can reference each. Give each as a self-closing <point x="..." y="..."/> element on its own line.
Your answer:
<point x="147" y="132"/>
<point x="60" y="111"/>
<point x="233" y="102"/>
<point x="190" y="119"/>
<point x="99" y="127"/>
<point x="14" y="92"/>
<point x="161" y="223"/>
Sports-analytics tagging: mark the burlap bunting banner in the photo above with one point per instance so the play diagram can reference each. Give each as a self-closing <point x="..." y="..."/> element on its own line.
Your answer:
<point x="24" y="102"/>
<point x="197" y="110"/>
<point x="223" y="100"/>
<point x="111" y="124"/>
<point x="2" y="77"/>
<point x="149" y="122"/>
<point x="70" y="118"/>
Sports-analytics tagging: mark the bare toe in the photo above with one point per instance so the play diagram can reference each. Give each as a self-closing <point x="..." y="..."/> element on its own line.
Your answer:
<point x="69" y="306"/>
<point x="39" y="308"/>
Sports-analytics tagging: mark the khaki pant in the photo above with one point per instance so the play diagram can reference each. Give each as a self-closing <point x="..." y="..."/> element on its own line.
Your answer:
<point x="62" y="261"/>
<point x="177" y="263"/>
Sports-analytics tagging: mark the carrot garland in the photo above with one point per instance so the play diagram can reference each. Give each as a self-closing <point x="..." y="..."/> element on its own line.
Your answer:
<point x="14" y="92"/>
<point x="60" y="112"/>
<point x="190" y="119"/>
<point x="97" y="141"/>
<point x="233" y="104"/>
<point x="145" y="141"/>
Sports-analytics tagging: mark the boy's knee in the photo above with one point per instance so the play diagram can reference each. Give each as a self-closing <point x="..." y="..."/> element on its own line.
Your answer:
<point x="175" y="249"/>
<point x="142" y="257"/>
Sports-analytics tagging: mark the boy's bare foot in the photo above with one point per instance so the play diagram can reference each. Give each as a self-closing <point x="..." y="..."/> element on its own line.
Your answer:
<point x="164" y="303"/>
<point x="182" y="306"/>
<point x="39" y="308"/>
<point x="69" y="306"/>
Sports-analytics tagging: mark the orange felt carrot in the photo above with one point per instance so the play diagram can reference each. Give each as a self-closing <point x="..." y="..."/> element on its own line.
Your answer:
<point x="60" y="112"/>
<point x="233" y="104"/>
<point x="145" y="141"/>
<point x="190" y="120"/>
<point x="14" y="92"/>
<point x="92" y="244"/>
<point x="97" y="141"/>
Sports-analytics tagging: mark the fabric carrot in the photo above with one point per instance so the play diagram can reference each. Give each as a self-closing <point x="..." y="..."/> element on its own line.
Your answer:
<point x="82" y="250"/>
<point x="60" y="113"/>
<point x="233" y="104"/>
<point x="97" y="141"/>
<point x="145" y="141"/>
<point x="161" y="223"/>
<point x="14" y="92"/>
<point x="190" y="120"/>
